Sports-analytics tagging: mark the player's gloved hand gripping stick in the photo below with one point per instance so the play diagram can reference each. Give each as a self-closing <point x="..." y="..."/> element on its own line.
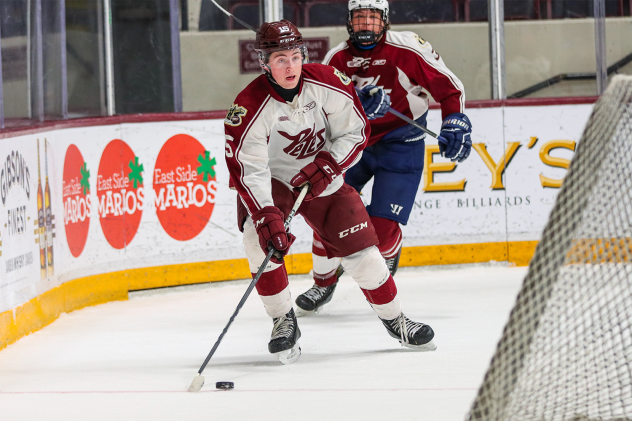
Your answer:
<point x="455" y="142"/>
<point x="198" y="380"/>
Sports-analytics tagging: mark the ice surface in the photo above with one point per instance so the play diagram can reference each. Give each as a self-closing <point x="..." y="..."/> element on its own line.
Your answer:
<point x="134" y="360"/>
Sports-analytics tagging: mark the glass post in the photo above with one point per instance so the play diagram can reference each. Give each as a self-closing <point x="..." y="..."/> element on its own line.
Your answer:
<point x="273" y="10"/>
<point x="600" y="44"/>
<point x="109" y="62"/>
<point x="497" y="48"/>
<point x="175" y="54"/>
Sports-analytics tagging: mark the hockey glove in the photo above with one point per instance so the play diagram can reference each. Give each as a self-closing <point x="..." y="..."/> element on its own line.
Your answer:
<point x="319" y="174"/>
<point x="455" y="142"/>
<point x="374" y="101"/>
<point x="271" y="229"/>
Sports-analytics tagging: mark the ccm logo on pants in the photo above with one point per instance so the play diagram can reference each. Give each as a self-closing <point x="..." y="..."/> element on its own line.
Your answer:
<point x="353" y="229"/>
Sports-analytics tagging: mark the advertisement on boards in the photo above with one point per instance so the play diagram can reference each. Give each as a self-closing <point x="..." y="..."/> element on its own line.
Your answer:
<point x="153" y="194"/>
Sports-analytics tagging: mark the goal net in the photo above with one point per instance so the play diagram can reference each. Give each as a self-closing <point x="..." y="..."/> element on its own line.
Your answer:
<point x="566" y="351"/>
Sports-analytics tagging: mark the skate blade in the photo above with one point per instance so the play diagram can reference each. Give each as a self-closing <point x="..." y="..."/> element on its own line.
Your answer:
<point x="430" y="346"/>
<point x="304" y="313"/>
<point x="289" y="355"/>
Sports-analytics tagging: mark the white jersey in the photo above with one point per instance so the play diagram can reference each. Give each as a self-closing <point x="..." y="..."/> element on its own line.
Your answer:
<point x="267" y="137"/>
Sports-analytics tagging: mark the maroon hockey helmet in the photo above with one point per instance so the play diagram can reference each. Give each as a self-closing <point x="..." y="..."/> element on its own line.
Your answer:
<point x="278" y="36"/>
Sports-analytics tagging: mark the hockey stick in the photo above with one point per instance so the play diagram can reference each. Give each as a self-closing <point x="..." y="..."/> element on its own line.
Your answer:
<point x="413" y="122"/>
<point x="233" y="16"/>
<point x="198" y="380"/>
<point x="406" y="119"/>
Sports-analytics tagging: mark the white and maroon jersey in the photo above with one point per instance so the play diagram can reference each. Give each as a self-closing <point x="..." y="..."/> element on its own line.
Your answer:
<point x="267" y="137"/>
<point x="402" y="64"/>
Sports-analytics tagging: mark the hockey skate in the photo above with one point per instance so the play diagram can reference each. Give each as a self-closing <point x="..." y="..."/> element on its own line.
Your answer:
<point x="410" y="334"/>
<point x="393" y="262"/>
<point x="312" y="300"/>
<point x="284" y="339"/>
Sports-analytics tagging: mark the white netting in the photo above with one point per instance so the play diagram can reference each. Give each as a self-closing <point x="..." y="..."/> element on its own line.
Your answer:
<point x="566" y="351"/>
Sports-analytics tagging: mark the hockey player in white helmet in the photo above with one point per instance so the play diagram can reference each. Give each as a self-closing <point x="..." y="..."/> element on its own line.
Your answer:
<point x="391" y="68"/>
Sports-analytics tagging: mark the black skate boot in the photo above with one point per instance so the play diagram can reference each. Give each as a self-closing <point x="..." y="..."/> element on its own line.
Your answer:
<point x="316" y="297"/>
<point x="410" y="334"/>
<point x="393" y="262"/>
<point x="284" y="339"/>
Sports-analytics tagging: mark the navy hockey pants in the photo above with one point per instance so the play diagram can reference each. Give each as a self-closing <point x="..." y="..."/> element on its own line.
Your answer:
<point x="397" y="168"/>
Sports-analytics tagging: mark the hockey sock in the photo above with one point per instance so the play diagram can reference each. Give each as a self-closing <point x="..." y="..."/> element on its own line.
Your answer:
<point x="384" y="300"/>
<point x="383" y="294"/>
<point x="274" y="291"/>
<point x="272" y="282"/>
<point x="324" y="268"/>
<point x="389" y="234"/>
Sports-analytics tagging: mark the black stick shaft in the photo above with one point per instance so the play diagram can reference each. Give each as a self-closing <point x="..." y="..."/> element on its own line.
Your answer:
<point x="406" y="119"/>
<point x="239" y="306"/>
<point x="297" y="204"/>
<point x="413" y="122"/>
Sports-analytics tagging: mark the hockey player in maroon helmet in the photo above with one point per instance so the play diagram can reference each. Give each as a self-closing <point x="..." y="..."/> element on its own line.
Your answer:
<point x="303" y="123"/>
<point x="395" y="68"/>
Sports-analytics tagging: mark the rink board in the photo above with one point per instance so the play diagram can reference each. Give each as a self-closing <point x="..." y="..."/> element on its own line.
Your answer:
<point x="146" y="205"/>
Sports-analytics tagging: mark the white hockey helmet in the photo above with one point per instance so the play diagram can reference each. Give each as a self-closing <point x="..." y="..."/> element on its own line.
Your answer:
<point x="370" y="36"/>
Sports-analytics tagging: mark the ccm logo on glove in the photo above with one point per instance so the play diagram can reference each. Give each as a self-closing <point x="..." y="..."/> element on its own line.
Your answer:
<point x="353" y="229"/>
<point x="319" y="174"/>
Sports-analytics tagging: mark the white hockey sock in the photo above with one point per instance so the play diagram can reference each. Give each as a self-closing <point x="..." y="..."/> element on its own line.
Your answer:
<point x="388" y="311"/>
<point x="367" y="268"/>
<point x="279" y="304"/>
<point x="324" y="267"/>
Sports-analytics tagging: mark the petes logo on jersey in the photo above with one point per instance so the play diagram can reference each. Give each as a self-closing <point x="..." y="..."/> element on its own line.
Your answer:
<point x="343" y="78"/>
<point x="305" y="144"/>
<point x="359" y="62"/>
<point x="235" y="114"/>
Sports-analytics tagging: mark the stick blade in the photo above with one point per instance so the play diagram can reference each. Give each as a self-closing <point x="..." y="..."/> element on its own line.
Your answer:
<point x="197" y="383"/>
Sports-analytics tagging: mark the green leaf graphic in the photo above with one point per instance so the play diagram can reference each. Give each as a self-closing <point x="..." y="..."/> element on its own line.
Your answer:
<point x="206" y="167"/>
<point x="136" y="173"/>
<point x="85" y="178"/>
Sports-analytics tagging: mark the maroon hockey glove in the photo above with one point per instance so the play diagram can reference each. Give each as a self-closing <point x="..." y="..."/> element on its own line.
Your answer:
<point x="319" y="174"/>
<point x="269" y="225"/>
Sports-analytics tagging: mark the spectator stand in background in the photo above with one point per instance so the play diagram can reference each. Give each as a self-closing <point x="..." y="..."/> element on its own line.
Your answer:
<point x="316" y="13"/>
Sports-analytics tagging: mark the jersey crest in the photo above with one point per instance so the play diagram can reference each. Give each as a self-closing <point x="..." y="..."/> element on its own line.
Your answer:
<point x="343" y="78"/>
<point x="359" y="62"/>
<point x="421" y="41"/>
<point x="235" y="114"/>
<point x="305" y="144"/>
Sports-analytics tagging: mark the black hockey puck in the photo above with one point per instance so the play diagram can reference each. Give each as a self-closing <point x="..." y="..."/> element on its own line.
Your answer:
<point x="224" y="385"/>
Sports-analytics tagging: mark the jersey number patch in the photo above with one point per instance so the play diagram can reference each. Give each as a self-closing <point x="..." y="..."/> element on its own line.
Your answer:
<point x="235" y="114"/>
<point x="343" y="78"/>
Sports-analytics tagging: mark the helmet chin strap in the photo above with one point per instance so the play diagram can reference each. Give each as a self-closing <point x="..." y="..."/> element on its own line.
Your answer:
<point x="268" y="74"/>
<point x="366" y="38"/>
